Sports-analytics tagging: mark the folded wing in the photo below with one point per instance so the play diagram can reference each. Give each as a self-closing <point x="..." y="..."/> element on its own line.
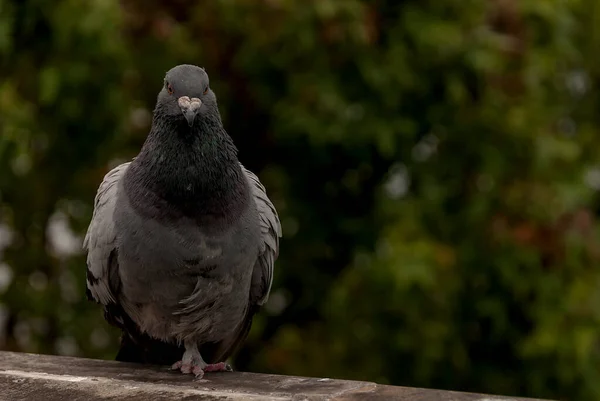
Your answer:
<point x="100" y="242"/>
<point x="270" y="225"/>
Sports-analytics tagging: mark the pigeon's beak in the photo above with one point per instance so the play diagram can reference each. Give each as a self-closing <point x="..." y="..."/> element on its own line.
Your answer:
<point x="189" y="108"/>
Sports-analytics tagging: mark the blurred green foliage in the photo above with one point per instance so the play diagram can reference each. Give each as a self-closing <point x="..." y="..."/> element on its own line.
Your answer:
<point x="435" y="165"/>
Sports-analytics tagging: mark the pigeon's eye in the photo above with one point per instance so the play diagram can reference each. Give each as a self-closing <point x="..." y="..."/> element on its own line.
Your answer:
<point x="169" y="88"/>
<point x="205" y="90"/>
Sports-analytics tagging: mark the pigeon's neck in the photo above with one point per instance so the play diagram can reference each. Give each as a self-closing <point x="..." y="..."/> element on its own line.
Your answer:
<point x="196" y="173"/>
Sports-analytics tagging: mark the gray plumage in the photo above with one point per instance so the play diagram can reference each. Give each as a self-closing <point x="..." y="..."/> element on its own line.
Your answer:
<point x="183" y="239"/>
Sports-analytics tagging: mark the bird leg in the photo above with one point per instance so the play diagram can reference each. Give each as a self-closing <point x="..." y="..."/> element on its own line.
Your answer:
<point x="192" y="362"/>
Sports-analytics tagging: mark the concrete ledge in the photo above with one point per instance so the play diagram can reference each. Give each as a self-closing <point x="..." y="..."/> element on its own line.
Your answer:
<point x="51" y="378"/>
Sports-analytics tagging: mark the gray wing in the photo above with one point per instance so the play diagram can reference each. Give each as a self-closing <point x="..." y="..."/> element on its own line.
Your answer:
<point x="270" y="227"/>
<point x="100" y="240"/>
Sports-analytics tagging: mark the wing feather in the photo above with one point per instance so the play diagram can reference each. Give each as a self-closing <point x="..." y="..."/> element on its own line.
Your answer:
<point x="262" y="278"/>
<point x="100" y="239"/>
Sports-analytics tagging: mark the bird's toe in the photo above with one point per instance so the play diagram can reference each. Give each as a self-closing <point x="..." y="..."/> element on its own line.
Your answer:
<point x="198" y="372"/>
<point x="186" y="368"/>
<point x="218" y="367"/>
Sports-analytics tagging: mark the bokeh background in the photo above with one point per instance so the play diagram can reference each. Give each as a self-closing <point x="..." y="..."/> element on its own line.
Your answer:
<point x="435" y="164"/>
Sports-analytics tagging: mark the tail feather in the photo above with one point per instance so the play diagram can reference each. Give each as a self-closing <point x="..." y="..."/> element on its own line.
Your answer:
<point x="139" y="347"/>
<point x="144" y="349"/>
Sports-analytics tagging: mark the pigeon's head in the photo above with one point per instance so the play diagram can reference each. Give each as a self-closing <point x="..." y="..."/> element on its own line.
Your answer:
<point x="186" y="95"/>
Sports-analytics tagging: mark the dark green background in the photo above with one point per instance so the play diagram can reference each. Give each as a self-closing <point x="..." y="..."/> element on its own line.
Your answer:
<point x="435" y="164"/>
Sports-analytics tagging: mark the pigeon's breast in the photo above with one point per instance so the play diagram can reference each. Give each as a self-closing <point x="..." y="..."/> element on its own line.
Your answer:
<point x="165" y="261"/>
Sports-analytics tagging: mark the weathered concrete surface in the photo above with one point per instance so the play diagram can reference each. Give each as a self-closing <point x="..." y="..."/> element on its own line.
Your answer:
<point x="53" y="378"/>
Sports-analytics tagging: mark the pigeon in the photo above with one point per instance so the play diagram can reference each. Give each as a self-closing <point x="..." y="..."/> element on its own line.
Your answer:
<point x="183" y="238"/>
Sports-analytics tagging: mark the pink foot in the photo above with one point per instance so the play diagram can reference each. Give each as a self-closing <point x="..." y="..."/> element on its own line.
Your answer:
<point x="189" y="368"/>
<point x="198" y="371"/>
<point x="218" y="367"/>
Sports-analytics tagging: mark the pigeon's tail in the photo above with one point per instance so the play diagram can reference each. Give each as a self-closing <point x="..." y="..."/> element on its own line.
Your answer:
<point x="141" y="348"/>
